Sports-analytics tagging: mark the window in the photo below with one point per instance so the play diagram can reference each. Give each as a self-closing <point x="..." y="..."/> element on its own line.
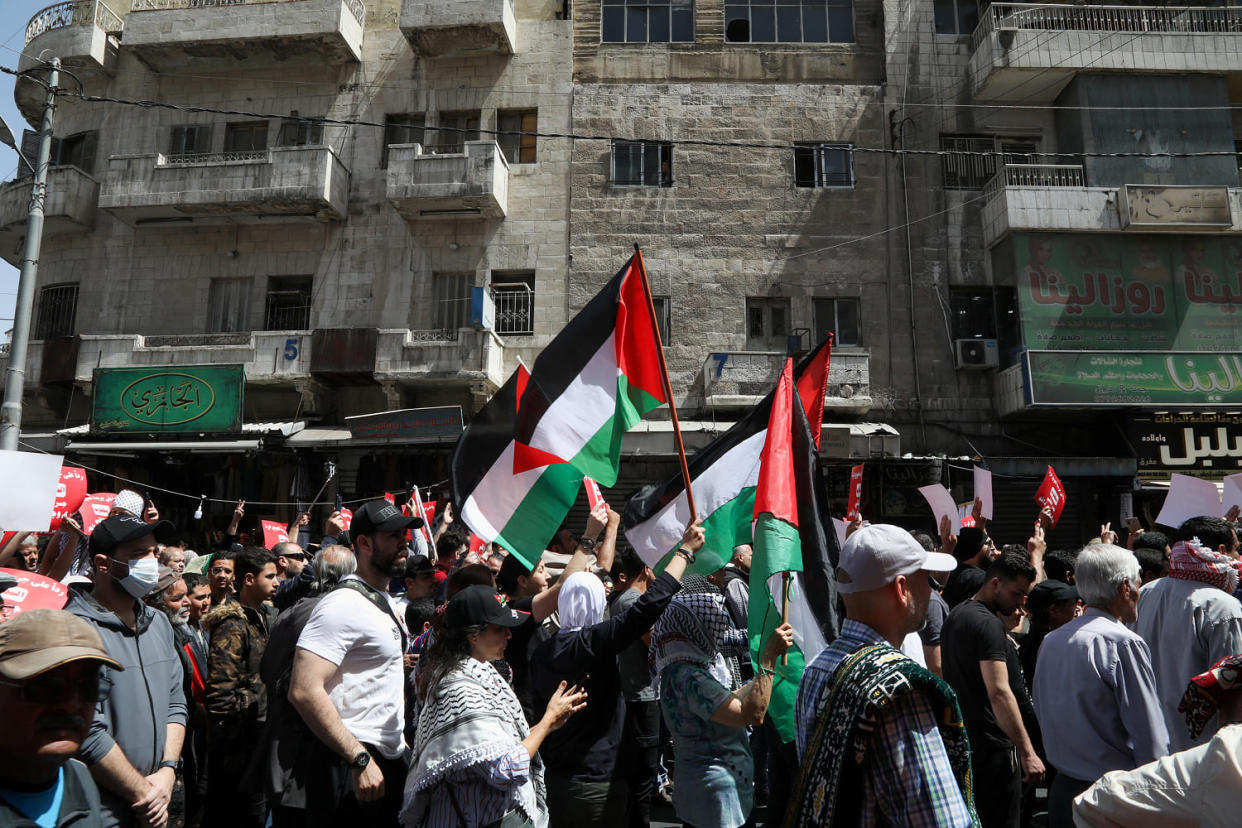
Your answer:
<point x="295" y="133"/>
<point x="450" y="300"/>
<point x="58" y="310"/>
<point x="518" y="149"/>
<point x="228" y="305"/>
<point x="77" y="150"/>
<point x="454" y="130"/>
<point x="642" y="164"/>
<point x="956" y="17"/>
<point x="970" y="171"/>
<point x="767" y="322"/>
<point x="407" y="128"/>
<point x="245" y="136"/>
<point x="663" y="312"/>
<point x="824" y="165"/>
<point x="513" y="292"/>
<point x="190" y="140"/>
<point x="838" y="317"/>
<point x="288" y="303"/>
<point x="647" y="21"/>
<point x="789" y="21"/>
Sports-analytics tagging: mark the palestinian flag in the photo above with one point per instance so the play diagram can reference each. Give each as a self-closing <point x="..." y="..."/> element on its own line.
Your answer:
<point x="790" y="538"/>
<point x="593" y="382"/>
<point x="520" y="508"/>
<point x="724" y="475"/>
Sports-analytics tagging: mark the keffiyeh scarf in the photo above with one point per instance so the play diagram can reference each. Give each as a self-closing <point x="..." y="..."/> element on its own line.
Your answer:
<point x="695" y="628"/>
<point x="472" y="718"/>
<point x="1207" y="691"/>
<point x="1192" y="561"/>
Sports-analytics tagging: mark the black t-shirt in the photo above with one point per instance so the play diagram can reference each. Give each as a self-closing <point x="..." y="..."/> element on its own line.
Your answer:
<point x="517" y="654"/>
<point x="963" y="583"/>
<point x="973" y="633"/>
<point x="933" y="625"/>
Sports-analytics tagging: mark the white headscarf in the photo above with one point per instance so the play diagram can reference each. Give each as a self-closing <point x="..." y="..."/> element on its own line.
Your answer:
<point x="581" y="602"/>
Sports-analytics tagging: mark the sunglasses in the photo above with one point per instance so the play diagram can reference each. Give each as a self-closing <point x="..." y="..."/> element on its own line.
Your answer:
<point x="298" y="556"/>
<point x="51" y="689"/>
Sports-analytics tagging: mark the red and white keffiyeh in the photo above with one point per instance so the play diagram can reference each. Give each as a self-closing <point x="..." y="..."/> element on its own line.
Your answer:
<point x="1192" y="561"/>
<point x="1207" y="692"/>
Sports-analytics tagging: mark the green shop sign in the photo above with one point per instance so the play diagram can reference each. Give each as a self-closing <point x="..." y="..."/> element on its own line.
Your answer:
<point x="192" y="398"/>
<point x="1130" y="378"/>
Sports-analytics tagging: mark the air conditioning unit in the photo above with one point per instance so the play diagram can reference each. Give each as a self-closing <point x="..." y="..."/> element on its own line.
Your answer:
<point x="976" y="354"/>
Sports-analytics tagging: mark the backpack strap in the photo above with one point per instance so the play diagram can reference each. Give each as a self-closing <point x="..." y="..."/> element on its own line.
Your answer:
<point x="381" y="603"/>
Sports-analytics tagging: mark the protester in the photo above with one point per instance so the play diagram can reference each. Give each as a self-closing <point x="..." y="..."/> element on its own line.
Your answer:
<point x="135" y="741"/>
<point x="1152" y="550"/>
<point x="173" y="557"/>
<point x="348" y="681"/>
<point x="1051" y="604"/>
<point x="449" y="549"/>
<point x="68" y="553"/>
<point x="1060" y="565"/>
<point x="290" y="560"/>
<point x="191" y="643"/>
<point x="977" y="667"/>
<point x="1190" y="619"/>
<point x="220" y="575"/>
<point x="417" y="606"/>
<point x="937" y="610"/>
<point x="50" y="676"/>
<point x="28" y="557"/>
<point x="916" y="769"/>
<point x="1094" y="691"/>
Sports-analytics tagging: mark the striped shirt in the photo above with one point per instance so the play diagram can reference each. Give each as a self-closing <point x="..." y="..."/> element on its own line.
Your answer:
<point x="909" y="780"/>
<point x="485" y="791"/>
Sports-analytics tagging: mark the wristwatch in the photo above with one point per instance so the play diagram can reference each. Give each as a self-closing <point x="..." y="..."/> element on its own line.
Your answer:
<point x="171" y="763"/>
<point x="588" y="543"/>
<point x="687" y="554"/>
<point x="360" y="761"/>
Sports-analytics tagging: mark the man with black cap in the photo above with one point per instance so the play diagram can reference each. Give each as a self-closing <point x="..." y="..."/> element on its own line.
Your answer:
<point x="134" y="745"/>
<point x="348" y="680"/>
<point x="49" y="683"/>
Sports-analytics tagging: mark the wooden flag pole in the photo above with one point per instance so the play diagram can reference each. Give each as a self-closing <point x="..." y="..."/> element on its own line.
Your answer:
<point x="668" y="388"/>
<point x="788" y="579"/>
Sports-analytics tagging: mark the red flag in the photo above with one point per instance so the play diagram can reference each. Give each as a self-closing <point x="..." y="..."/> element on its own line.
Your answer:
<point x="34" y="591"/>
<point x="391" y="498"/>
<point x="274" y="533"/>
<point x="776" y="492"/>
<point x="347" y="517"/>
<point x="594" y="495"/>
<point x="70" y="492"/>
<point x="476" y="543"/>
<point x="420" y="510"/>
<point x="812" y="385"/>
<point x="429" y="509"/>
<point x="94" y="509"/>
<point x="856" y="483"/>
<point x="1051" y="495"/>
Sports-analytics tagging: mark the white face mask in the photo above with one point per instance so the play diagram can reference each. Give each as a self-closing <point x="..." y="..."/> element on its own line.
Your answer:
<point x="142" y="578"/>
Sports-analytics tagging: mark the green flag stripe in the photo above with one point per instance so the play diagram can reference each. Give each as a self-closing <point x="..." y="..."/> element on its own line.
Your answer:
<point x="778" y="548"/>
<point x="726" y="527"/>
<point x="601" y="456"/>
<point x="540" y="513"/>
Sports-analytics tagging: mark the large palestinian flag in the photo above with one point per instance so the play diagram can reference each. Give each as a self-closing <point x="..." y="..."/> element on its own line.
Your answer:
<point x="724" y="475"/>
<point x="790" y="538"/>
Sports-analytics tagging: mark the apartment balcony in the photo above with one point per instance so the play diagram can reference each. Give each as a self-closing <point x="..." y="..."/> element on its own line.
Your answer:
<point x="280" y="183"/>
<point x="168" y="34"/>
<point x="84" y="34"/>
<point x="1027" y="53"/>
<point x="459" y="185"/>
<point x="422" y="357"/>
<point x="738" y="380"/>
<point x="443" y="28"/>
<point x="69" y="207"/>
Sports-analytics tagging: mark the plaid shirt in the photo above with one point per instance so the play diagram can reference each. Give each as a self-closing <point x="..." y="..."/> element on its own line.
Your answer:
<point x="909" y="780"/>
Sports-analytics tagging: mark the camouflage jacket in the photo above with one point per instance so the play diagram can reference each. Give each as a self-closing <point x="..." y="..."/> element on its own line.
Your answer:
<point x="235" y="693"/>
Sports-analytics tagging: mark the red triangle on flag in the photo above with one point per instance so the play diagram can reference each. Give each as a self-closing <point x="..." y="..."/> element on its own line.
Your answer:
<point x="526" y="458"/>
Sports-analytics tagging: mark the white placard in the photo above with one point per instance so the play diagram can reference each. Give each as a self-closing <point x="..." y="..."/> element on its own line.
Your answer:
<point x="983" y="491"/>
<point x="942" y="506"/>
<point x="1189" y="497"/>
<point x="1231" y="493"/>
<point x="840" y="526"/>
<point x="28" y="507"/>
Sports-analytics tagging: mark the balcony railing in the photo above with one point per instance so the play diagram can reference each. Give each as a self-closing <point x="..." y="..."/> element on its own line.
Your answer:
<point x="1036" y="175"/>
<point x="191" y="159"/>
<point x="74" y="13"/>
<point x="1109" y="19"/>
<point x="355" y="6"/>
<point x="515" y="308"/>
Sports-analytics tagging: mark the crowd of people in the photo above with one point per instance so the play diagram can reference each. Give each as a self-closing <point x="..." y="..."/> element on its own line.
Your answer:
<point x="391" y="675"/>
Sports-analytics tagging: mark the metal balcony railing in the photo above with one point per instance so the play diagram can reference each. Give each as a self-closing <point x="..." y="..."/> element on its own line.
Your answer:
<point x="1037" y="175"/>
<point x="355" y="6"/>
<point x="192" y="158"/>
<point x="1109" y="19"/>
<point x="74" y="13"/>
<point x="515" y="307"/>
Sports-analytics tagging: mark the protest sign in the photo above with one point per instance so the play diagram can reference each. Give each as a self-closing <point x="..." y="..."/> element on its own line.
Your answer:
<point x="94" y="509"/>
<point x="28" y="504"/>
<point x="34" y="591"/>
<point x="983" y="491"/>
<point x="347" y="517"/>
<point x="942" y="506"/>
<point x="855" y="501"/>
<point x="70" y="492"/>
<point x="594" y="495"/>
<point x="1051" y="495"/>
<point x="274" y="533"/>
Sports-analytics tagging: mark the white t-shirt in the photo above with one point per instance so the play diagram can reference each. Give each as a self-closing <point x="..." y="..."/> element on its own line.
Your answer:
<point x="367" y="688"/>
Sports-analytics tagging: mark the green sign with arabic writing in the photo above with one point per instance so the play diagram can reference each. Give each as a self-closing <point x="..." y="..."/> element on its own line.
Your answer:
<point x="1140" y="293"/>
<point x="1130" y="378"/>
<point x="188" y="398"/>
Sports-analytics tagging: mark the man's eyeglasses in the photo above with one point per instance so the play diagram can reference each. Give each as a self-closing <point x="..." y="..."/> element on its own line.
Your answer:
<point x="51" y="689"/>
<point x="296" y="556"/>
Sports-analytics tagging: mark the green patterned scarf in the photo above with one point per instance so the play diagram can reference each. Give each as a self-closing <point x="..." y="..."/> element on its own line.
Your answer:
<point x="868" y="680"/>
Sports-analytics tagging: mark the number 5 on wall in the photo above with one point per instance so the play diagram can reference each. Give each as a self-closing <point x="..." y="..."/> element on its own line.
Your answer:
<point x="291" y="348"/>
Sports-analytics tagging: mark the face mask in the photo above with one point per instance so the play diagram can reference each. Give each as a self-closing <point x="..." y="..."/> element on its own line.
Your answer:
<point x="142" y="578"/>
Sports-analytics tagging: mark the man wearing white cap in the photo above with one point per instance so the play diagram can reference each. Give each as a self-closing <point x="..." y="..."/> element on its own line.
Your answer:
<point x="881" y="739"/>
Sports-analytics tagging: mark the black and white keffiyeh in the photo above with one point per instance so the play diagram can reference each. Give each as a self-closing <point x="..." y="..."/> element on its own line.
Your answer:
<point x="695" y="628"/>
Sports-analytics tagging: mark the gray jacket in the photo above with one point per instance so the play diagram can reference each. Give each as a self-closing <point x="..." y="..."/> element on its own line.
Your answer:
<point x="138" y="704"/>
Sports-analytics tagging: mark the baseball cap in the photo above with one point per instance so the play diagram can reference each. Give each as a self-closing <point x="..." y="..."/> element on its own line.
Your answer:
<point x="167" y="577"/>
<point x="479" y="604"/>
<point x="875" y="555"/>
<point x="36" y="641"/>
<point x="381" y="516"/>
<point x="416" y="565"/>
<point x="119" y="529"/>
<point x="1049" y="592"/>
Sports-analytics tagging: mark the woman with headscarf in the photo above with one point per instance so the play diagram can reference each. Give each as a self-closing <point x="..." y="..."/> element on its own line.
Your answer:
<point x="476" y="761"/>
<point x="713" y="776"/>
<point x="585" y="786"/>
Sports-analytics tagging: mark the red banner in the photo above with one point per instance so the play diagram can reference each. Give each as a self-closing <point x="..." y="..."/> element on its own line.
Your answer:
<point x="429" y="509"/>
<point x="94" y="509"/>
<point x="34" y="591"/>
<point x="594" y="495"/>
<point x="1051" y="495"/>
<point x="420" y="510"/>
<point x="274" y="533"/>
<point x="70" y="492"/>
<point x="855" y="502"/>
<point x="347" y="517"/>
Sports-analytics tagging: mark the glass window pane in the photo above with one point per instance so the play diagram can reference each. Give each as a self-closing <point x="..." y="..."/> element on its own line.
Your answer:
<point x="754" y="321"/>
<point x="636" y="25"/>
<point x="614" y="24"/>
<point x="967" y="16"/>
<point x="814" y="24"/>
<point x="788" y="24"/>
<point x="683" y="23"/>
<point x="841" y="24"/>
<point x="804" y="167"/>
<point x="847" y="322"/>
<point x="779" y="328"/>
<point x="762" y="24"/>
<point x="658" y="19"/>
<point x="946" y="17"/>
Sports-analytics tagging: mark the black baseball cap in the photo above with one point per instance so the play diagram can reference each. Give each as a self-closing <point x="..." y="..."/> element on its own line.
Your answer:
<point x="118" y="529"/>
<point x="381" y="516"/>
<point x="1048" y="593"/>
<point x="481" y="605"/>
<point x="416" y="565"/>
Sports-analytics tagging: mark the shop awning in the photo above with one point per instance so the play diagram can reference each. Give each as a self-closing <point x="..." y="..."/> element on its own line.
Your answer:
<point x="193" y="446"/>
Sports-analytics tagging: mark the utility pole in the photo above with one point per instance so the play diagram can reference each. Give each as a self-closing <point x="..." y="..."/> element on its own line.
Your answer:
<point x="15" y="380"/>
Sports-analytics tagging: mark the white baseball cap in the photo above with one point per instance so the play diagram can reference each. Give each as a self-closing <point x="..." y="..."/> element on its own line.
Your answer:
<point x="875" y="555"/>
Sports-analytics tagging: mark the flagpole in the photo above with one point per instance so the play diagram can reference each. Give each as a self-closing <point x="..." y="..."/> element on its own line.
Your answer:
<point x="785" y="614"/>
<point x="668" y="388"/>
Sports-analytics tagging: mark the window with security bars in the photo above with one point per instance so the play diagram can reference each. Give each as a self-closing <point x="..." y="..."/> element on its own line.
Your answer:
<point x="824" y="165"/>
<point x="450" y="300"/>
<point x="228" y="305"/>
<point x="191" y="139"/>
<point x="663" y="314"/>
<point x="513" y="297"/>
<point x="957" y="17"/>
<point x="298" y="133"/>
<point x="77" y="150"/>
<point x="405" y="128"/>
<point x="517" y="149"/>
<point x="647" y="21"/>
<point x="838" y="317"/>
<point x="789" y="21"/>
<point x="245" y="136"/>
<point x="453" y="130"/>
<point x="970" y="160"/>
<point x="642" y="164"/>
<point x="58" y="310"/>
<point x="767" y="322"/>
<point x="288" y="303"/>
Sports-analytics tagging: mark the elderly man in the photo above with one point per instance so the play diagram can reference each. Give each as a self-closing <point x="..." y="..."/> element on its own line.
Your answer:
<point x="1095" y="692"/>
<point x="49" y="682"/>
<point x="907" y="776"/>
